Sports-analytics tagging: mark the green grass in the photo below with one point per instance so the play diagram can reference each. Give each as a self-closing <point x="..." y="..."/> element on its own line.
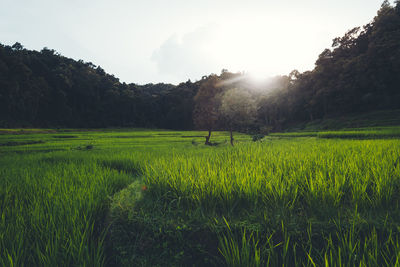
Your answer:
<point x="380" y="118"/>
<point x="124" y="197"/>
<point x="351" y="133"/>
<point x="51" y="210"/>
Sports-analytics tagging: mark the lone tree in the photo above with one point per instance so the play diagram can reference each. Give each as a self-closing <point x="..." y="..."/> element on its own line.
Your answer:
<point x="238" y="110"/>
<point x="207" y="101"/>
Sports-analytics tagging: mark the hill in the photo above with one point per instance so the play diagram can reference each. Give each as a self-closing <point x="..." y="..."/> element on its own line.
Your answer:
<point x="46" y="89"/>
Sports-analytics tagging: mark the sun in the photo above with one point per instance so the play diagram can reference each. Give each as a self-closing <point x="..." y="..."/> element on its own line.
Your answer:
<point x="258" y="76"/>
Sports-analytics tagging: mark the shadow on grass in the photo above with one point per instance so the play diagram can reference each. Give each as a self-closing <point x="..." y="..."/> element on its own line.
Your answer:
<point x="21" y="143"/>
<point x="145" y="231"/>
<point x="122" y="166"/>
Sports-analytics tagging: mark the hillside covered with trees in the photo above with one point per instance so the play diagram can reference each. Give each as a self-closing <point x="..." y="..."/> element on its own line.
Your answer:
<point x="45" y="89"/>
<point x="359" y="73"/>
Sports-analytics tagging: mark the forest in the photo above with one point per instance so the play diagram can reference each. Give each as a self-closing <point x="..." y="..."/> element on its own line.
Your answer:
<point x="359" y="73"/>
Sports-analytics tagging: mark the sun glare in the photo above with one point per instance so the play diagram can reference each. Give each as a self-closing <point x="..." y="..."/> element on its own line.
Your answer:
<point x="261" y="51"/>
<point x="257" y="76"/>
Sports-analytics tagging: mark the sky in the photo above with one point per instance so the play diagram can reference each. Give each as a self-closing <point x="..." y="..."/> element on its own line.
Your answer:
<point x="171" y="41"/>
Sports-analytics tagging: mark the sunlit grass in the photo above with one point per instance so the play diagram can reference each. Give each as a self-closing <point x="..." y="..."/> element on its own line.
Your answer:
<point x="282" y="172"/>
<point x="353" y="133"/>
<point x="50" y="210"/>
<point x="278" y="201"/>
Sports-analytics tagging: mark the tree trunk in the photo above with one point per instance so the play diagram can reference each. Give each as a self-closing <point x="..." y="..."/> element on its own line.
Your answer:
<point x="208" y="138"/>
<point x="311" y="116"/>
<point x="231" y="137"/>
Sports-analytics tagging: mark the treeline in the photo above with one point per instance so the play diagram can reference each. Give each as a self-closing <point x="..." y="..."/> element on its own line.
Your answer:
<point x="361" y="72"/>
<point x="45" y="89"/>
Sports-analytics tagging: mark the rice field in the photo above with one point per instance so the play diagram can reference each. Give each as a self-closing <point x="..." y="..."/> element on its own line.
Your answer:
<point x="387" y="132"/>
<point x="135" y="197"/>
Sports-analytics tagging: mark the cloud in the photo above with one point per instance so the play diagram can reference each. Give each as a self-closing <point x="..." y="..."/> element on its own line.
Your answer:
<point x="187" y="56"/>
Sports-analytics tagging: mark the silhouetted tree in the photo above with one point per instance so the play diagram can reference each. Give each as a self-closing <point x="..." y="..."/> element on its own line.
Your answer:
<point x="207" y="101"/>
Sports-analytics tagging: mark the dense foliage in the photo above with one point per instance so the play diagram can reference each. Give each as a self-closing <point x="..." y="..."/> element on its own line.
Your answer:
<point x="46" y="89"/>
<point x="361" y="72"/>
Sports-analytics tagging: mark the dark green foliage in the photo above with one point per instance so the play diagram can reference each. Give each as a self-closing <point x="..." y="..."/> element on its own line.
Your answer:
<point x="257" y="137"/>
<point x="360" y="73"/>
<point x="21" y="143"/>
<point x="207" y="100"/>
<point x="45" y="89"/>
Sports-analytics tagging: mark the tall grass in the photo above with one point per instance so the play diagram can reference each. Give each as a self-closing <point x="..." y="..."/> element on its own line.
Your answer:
<point x="56" y="189"/>
<point x="351" y="133"/>
<point x="341" y="247"/>
<point x="291" y="201"/>
<point x="51" y="212"/>
<point x="272" y="192"/>
<point x="284" y="173"/>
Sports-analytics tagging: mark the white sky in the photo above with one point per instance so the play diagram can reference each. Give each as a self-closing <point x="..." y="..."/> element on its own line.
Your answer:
<point x="175" y="40"/>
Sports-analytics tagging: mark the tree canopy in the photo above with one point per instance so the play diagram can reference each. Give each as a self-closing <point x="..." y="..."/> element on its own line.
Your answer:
<point x="46" y="89"/>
